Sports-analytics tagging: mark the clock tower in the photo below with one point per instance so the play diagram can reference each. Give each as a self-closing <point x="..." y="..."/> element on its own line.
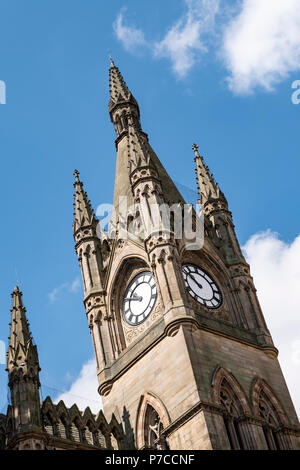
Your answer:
<point x="184" y="357"/>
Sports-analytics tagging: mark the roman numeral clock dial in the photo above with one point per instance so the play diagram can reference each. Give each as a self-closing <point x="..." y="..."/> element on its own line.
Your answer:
<point x="139" y="298"/>
<point x="201" y="286"/>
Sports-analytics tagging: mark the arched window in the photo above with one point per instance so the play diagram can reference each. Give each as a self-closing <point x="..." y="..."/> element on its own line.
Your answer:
<point x="130" y="224"/>
<point x="124" y="120"/>
<point x="89" y="433"/>
<point x="154" y="437"/>
<point x="152" y="420"/>
<point x="228" y="393"/>
<point x="268" y="408"/>
<point x="49" y="425"/>
<point x="118" y="124"/>
<point x="232" y="413"/>
<point x="76" y="431"/>
<point x="63" y="428"/>
<point x="100" y="435"/>
<point x="113" y="442"/>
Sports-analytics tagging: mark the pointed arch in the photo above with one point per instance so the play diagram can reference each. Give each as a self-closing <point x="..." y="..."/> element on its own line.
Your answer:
<point x="149" y="402"/>
<point x="267" y="407"/>
<point x="102" y="429"/>
<point x="261" y="391"/>
<point x="223" y="378"/>
<point x="228" y="393"/>
<point x="50" y="417"/>
<point x="116" y="433"/>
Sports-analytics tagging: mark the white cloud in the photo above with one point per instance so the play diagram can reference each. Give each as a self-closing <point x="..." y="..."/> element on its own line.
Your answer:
<point x="75" y="285"/>
<point x="130" y="37"/>
<point x="261" y="44"/>
<point x="186" y="40"/>
<point x="83" y="391"/>
<point x="276" y="271"/>
<point x="72" y="287"/>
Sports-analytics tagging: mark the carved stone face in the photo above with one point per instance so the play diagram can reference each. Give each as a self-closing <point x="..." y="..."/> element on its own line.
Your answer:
<point x="201" y="286"/>
<point x="139" y="298"/>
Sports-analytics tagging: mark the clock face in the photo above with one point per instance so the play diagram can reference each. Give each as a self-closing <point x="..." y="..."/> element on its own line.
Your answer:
<point x="139" y="298"/>
<point x="201" y="286"/>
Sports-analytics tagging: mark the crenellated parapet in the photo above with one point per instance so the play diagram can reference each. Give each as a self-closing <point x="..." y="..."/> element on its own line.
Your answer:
<point x="68" y="426"/>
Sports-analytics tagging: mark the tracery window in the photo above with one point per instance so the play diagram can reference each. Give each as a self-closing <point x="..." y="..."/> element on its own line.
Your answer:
<point x="268" y="414"/>
<point x="274" y="420"/>
<point x="154" y="438"/>
<point x="233" y="412"/>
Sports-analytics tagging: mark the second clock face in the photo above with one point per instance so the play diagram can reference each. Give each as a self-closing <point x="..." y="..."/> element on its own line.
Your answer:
<point x="139" y="298"/>
<point x="201" y="286"/>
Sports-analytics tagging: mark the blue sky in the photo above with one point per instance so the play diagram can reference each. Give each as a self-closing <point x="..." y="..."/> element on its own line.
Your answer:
<point x="191" y="76"/>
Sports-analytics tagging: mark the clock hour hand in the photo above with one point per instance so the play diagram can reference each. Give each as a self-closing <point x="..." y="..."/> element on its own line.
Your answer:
<point x="199" y="285"/>
<point x="134" y="297"/>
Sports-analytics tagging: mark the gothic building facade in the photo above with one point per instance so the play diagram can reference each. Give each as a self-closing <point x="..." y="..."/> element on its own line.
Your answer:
<point x="184" y="357"/>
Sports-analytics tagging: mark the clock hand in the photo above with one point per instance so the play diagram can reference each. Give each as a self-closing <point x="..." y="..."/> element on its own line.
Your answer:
<point x="199" y="285"/>
<point x="134" y="298"/>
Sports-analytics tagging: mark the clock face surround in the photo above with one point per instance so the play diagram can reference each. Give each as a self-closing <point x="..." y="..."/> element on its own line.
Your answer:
<point x="201" y="286"/>
<point x="139" y="298"/>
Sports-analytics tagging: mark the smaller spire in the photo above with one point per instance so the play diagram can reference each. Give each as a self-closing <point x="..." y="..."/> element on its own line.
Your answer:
<point x="21" y="350"/>
<point x="207" y="186"/>
<point x="83" y="211"/>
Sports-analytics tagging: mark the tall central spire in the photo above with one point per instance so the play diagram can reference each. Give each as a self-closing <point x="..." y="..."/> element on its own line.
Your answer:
<point x="119" y="92"/>
<point x="134" y="150"/>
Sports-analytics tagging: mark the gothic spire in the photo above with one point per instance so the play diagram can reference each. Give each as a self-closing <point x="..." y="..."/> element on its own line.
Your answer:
<point x="207" y="186"/>
<point x="21" y="350"/>
<point x="83" y="212"/>
<point x="119" y="92"/>
<point x="134" y="149"/>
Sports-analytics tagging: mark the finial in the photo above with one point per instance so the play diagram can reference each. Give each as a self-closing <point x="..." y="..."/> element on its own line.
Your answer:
<point x="76" y="174"/>
<point x="16" y="292"/>
<point x="195" y="148"/>
<point x="112" y="64"/>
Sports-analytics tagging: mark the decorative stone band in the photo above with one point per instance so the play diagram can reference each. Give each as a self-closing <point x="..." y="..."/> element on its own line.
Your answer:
<point x="217" y="409"/>
<point x="95" y="300"/>
<point x="144" y="173"/>
<point x="189" y="414"/>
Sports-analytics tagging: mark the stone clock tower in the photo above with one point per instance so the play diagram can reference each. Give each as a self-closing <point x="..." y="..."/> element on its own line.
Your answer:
<point x="184" y="357"/>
